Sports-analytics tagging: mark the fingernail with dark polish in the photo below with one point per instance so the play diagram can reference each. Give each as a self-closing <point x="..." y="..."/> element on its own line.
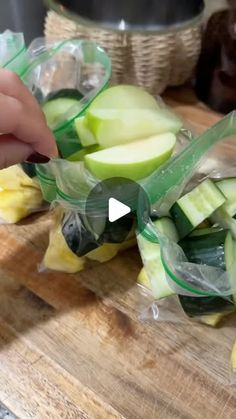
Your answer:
<point x="37" y="158"/>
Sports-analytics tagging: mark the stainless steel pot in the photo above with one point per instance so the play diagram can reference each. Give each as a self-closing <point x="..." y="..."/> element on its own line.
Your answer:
<point x="131" y="15"/>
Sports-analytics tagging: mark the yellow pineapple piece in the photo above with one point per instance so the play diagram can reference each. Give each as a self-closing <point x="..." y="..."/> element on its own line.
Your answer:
<point x="143" y="279"/>
<point x="17" y="204"/>
<point x="58" y="256"/>
<point x="108" y="251"/>
<point x="13" y="178"/>
<point x="233" y="358"/>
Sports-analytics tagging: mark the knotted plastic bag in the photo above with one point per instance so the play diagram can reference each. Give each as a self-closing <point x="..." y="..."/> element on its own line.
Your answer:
<point x="65" y="76"/>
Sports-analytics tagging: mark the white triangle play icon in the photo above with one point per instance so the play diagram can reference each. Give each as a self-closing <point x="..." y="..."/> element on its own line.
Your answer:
<point x="117" y="209"/>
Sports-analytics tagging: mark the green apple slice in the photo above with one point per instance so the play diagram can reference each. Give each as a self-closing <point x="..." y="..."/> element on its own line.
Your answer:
<point x="79" y="155"/>
<point x="85" y="135"/>
<point x="124" y="97"/>
<point x="120" y="126"/>
<point x="134" y="161"/>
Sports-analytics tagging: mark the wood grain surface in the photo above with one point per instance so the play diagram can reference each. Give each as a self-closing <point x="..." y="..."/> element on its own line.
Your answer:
<point x="74" y="346"/>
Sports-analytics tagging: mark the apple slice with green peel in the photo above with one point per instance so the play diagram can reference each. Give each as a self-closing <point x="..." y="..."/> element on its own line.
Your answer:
<point x="115" y="126"/>
<point x="85" y="135"/>
<point x="133" y="161"/>
<point x="124" y="97"/>
<point x="123" y="113"/>
<point x="79" y="155"/>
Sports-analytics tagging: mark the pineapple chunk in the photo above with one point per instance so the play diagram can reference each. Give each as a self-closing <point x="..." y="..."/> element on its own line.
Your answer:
<point x="233" y="358"/>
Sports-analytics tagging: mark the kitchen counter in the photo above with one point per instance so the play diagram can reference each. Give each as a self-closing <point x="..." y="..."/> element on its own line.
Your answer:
<point x="70" y="351"/>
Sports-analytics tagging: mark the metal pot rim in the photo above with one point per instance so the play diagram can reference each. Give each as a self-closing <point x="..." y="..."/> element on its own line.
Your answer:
<point x="110" y="27"/>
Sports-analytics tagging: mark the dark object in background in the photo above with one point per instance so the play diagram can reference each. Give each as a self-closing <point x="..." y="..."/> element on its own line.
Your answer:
<point x="216" y="70"/>
<point x="137" y="14"/>
<point x="25" y="16"/>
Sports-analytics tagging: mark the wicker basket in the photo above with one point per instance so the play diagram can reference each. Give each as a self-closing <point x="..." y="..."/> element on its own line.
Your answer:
<point x="153" y="61"/>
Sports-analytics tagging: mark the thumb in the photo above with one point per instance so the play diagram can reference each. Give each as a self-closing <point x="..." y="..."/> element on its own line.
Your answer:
<point x="13" y="151"/>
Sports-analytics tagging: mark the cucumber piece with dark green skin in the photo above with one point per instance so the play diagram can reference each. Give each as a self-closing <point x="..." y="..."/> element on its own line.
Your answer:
<point x="204" y="231"/>
<point x="208" y="248"/>
<point x="228" y="188"/>
<point x="117" y="231"/>
<point x="107" y="232"/>
<point x="82" y="235"/>
<point x="64" y="93"/>
<point x="196" y="206"/>
<point x="214" y="247"/>
<point x="199" y="306"/>
<point x="78" y="238"/>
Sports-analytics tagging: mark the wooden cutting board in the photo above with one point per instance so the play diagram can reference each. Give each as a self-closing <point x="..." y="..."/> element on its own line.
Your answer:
<point x="70" y="351"/>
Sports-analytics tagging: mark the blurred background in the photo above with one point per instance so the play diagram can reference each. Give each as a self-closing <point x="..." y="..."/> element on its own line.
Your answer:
<point x="28" y="15"/>
<point x="23" y="16"/>
<point x="155" y="60"/>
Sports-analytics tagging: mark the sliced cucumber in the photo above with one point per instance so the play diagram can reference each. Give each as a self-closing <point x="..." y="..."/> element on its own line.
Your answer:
<point x="216" y="248"/>
<point x="55" y="109"/>
<point x="204" y="231"/>
<point x="210" y="248"/>
<point x="201" y="306"/>
<point x="194" y="207"/>
<point x="230" y="262"/>
<point x="151" y="255"/>
<point x="166" y="226"/>
<point x="205" y="224"/>
<point x="228" y="188"/>
<point x="85" y="135"/>
<point x="230" y="246"/>
<point x="64" y="93"/>
<point x="221" y="218"/>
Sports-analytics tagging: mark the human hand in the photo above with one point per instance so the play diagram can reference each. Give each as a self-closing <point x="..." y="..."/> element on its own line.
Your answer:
<point x="24" y="133"/>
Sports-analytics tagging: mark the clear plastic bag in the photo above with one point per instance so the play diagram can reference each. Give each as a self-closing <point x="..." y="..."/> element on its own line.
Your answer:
<point x="72" y="247"/>
<point x="74" y="228"/>
<point x="75" y="70"/>
<point x="20" y="195"/>
<point x="206" y="292"/>
<point x="12" y="47"/>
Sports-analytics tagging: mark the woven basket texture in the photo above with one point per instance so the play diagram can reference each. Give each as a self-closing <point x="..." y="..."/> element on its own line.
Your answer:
<point x="153" y="61"/>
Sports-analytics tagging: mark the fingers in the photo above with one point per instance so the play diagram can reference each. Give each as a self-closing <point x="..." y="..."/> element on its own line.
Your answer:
<point x="13" y="151"/>
<point x="21" y="116"/>
<point x="11" y="85"/>
<point x="27" y="125"/>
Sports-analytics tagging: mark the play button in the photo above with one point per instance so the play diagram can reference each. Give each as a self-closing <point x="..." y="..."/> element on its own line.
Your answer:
<point x="113" y="208"/>
<point x="117" y="209"/>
